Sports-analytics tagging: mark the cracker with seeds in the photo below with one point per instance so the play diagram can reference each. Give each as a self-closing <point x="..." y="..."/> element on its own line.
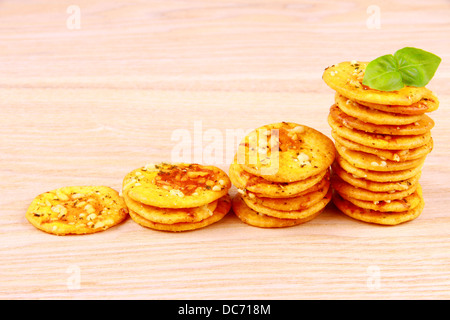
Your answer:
<point x="346" y="78"/>
<point x="390" y="218"/>
<point x="421" y="126"/>
<point x="256" y="219"/>
<point x="428" y="103"/>
<point x="221" y="209"/>
<point x="177" y="197"/>
<point x="77" y="210"/>
<point x="379" y="141"/>
<point x="285" y="152"/>
<point x="394" y="155"/>
<point x="182" y="185"/>
<point x="247" y="182"/>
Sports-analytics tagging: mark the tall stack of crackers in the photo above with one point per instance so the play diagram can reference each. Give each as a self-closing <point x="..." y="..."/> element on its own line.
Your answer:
<point x="282" y="173"/>
<point x="382" y="139"/>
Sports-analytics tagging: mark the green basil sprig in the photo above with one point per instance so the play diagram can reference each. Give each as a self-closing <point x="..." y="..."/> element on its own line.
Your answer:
<point x="406" y="67"/>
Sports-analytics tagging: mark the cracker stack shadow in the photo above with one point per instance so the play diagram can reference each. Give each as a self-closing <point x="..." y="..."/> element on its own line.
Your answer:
<point x="282" y="173"/>
<point x="382" y="139"/>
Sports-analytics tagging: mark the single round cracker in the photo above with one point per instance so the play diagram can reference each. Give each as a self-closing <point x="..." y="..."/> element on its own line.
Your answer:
<point x="293" y="214"/>
<point x="345" y="188"/>
<point x="292" y="204"/>
<point x="393" y="155"/>
<point x="77" y="210"/>
<point x="373" y="185"/>
<point x="321" y="184"/>
<point x="373" y="116"/>
<point x="253" y="218"/>
<point x="422" y="126"/>
<point x="372" y="162"/>
<point x="428" y="103"/>
<point x="223" y="207"/>
<point x="346" y="78"/>
<point x="179" y="185"/>
<point x="170" y="215"/>
<point x="398" y="205"/>
<point x="377" y="217"/>
<point x="285" y="152"/>
<point x="250" y="183"/>
<point x="378" y="176"/>
<point x="379" y="141"/>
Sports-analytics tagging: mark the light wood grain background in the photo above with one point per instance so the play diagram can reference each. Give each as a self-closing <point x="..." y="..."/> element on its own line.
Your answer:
<point x="86" y="106"/>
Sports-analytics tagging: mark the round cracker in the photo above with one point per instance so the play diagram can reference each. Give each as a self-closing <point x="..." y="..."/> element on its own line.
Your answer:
<point x="428" y="103"/>
<point x="379" y="141"/>
<point x="248" y="182"/>
<point x="253" y="218"/>
<point x="169" y="215"/>
<point x="223" y="207"/>
<point x="318" y="186"/>
<point x="422" y="126"/>
<point x="285" y="152"/>
<point x="378" y="176"/>
<point x="399" y="205"/>
<point x="176" y="185"/>
<point x="292" y="204"/>
<point x="292" y="214"/>
<point x="346" y="78"/>
<point x="377" y="217"/>
<point x="394" y="155"/>
<point x="374" y="116"/>
<point x="345" y="188"/>
<point x="373" y="185"/>
<point x="77" y="210"/>
<point x="372" y="162"/>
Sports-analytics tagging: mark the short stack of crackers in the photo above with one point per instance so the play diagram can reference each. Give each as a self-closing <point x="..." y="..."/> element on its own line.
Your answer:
<point x="382" y="139"/>
<point x="177" y="197"/>
<point x="281" y="172"/>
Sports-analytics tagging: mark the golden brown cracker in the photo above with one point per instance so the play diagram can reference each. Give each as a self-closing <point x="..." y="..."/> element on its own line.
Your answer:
<point x="372" y="162"/>
<point x="291" y="214"/>
<point x="178" y="185"/>
<point x="374" y="116"/>
<point x="398" y="205"/>
<point x="421" y="126"/>
<point x="77" y="210"/>
<point x="379" y="141"/>
<point x="388" y="186"/>
<point x="346" y="78"/>
<point x="377" y="217"/>
<point x="253" y="218"/>
<point x="345" y="188"/>
<point x="428" y="103"/>
<point x="247" y="182"/>
<point x="223" y="207"/>
<point x="285" y="152"/>
<point x="378" y="176"/>
<point x="170" y="215"/>
<point x="292" y="204"/>
<point x="393" y="155"/>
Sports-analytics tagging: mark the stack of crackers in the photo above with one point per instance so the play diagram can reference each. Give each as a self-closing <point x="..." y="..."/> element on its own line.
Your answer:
<point x="382" y="139"/>
<point x="282" y="173"/>
<point x="177" y="197"/>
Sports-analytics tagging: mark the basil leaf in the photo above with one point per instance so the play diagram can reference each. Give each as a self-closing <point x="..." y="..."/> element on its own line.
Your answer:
<point x="382" y="74"/>
<point x="416" y="66"/>
<point x="408" y="66"/>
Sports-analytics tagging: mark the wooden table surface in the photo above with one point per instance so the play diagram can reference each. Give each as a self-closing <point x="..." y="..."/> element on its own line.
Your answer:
<point x="90" y="90"/>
